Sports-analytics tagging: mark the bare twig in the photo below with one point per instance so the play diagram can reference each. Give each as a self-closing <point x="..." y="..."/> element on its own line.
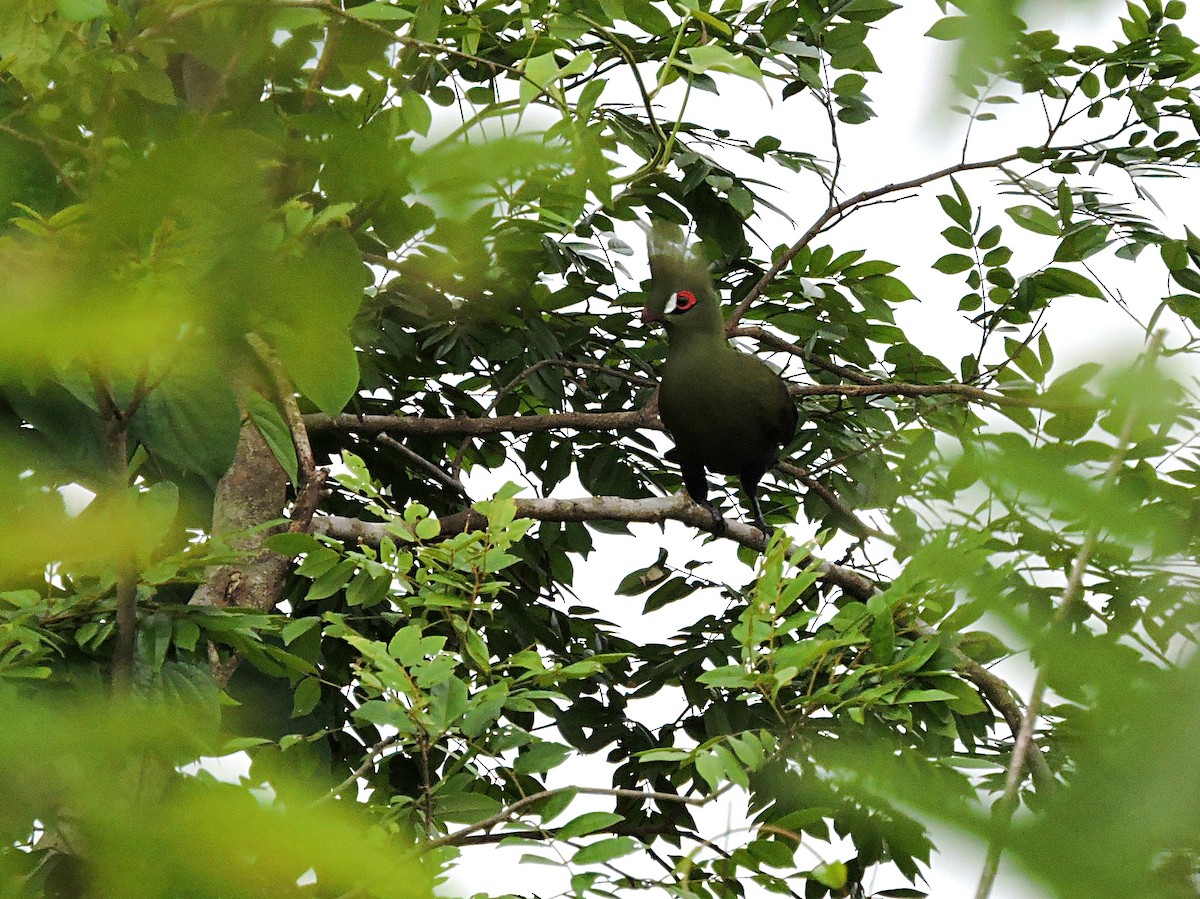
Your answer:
<point x="831" y="499"/>
<point x="424" y="464"/>
<point x="373" y="756"/>
<point x="840" y="211"/>
<point x="775" y="342"/>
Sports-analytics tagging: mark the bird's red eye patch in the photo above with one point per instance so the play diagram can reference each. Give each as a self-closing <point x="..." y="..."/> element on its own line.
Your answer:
<point x="682" y="301"/>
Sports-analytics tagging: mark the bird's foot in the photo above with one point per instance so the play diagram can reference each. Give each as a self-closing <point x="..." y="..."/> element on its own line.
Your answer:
<point x="718" y="523"/>
<point x="767" y="530"/>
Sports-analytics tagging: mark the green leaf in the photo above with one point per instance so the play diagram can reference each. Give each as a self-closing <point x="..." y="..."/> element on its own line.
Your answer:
<point x="959" y="237"/>
<point x="308" y="694"/>
<point x="950" y="28"/>
<point x="911" y="696"/>
<point x="416" y="112"/>
<point x="331" y="581"/>
<point x="323" y="364"/>
<point x="428" y="528"/>
<point x="675" y="589"/>
<point x="187" y="634"/>
<point x="833" y="874"/>
<point x="540" y="757"/>
<point x="775" y="853"/>
<point x="589" y="822"/>
<point x="605" y="851"/>
<point x="710" y="57"/>
<point x="380" y="11"/>
<point x="539" y="74"/>
<point x="191" y="421"/>
<point x="883" y="638"/>
<point x="83" y="10"/>
<point x="274" y="431"/>
<point x="1035" y="219"/>
<point x="1174" y="254"/>
<point x="710" y="768"/>
<point x="429" y="20"/>
<point x="643" y="579"/>
<point x="958" y="211"/>
<point x="293" y="544"/>
<point x="727" y="676"/>
<point x="1187" y="279"/>
<point x="953" y="263"/>
<point x="448" y="702"/>
<point x="297" y="627"/>
<point x="1055" y="282"/>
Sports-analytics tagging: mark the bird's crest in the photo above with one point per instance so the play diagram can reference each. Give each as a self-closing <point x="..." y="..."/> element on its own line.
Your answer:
<point x="672" y="261"/>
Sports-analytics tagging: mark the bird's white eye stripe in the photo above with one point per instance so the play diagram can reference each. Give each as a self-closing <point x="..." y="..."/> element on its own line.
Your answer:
<point x="680" y="301"/>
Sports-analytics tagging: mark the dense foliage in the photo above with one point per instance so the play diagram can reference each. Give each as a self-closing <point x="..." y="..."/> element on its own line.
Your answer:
<point x="286" y="281"/>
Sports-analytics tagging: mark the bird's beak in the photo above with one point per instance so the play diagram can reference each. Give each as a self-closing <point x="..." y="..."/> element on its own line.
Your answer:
<point x="651" y="318"/>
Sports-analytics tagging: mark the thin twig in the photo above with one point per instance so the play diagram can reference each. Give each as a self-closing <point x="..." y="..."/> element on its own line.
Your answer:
<point x="373" y="756"/>
<point x="841" y="210"/>
<point x="832" y="500"/>
<point x="425" y="465"/>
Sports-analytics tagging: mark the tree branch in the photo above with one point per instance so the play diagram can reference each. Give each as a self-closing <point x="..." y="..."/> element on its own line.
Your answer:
<point x="1000" y="696"/>
<point x="403" y="425"/>
<point x="831" y="499"/>
<point x="657" y="510"/>
<point x="424" y="465"/>
<point x="116" y="440"/>
<point x="775" y="342"/>
<point x="311" y="488"/>
<point x="680" y="508"/>
<point x="287" y="398"/>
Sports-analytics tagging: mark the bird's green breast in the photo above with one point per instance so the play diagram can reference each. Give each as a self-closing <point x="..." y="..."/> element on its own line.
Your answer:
<point x="723" y="408"/>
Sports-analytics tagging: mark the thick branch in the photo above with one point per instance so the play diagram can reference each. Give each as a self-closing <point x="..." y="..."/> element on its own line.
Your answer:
<point x="591" y="508"/>
<point x="402" y="426"/>
<point x="1000" y="697"/>
<point x="249" y="495"/>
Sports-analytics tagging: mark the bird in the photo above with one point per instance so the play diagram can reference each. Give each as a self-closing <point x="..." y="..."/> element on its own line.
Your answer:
<point x="727" y="411"/>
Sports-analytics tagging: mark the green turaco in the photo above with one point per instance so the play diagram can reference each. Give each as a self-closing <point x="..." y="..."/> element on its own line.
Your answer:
<point x="727" y="411"/>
